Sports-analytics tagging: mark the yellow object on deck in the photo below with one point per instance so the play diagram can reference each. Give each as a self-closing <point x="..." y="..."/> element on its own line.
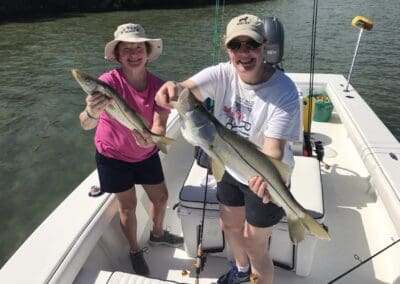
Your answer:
<point x="306" y="116"/>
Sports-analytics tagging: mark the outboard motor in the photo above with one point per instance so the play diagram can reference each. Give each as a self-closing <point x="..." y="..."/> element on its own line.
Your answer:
<point x="275" y="36"/>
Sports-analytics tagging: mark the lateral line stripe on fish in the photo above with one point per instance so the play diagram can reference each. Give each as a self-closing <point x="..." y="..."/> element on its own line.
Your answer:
<point x="251" y="166"/>
<point x="212" y="118"/>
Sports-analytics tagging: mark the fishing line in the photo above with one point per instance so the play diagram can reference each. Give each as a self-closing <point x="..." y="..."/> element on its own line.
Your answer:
<point x="220" y="38"/>
<point x="363" y="262"/>
<point x="216" y="34"/>
<point x="200" y="258"/>
<point x="312" y="59"/>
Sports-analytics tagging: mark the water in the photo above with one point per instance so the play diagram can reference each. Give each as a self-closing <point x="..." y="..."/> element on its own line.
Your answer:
<point x="44" y="152"/>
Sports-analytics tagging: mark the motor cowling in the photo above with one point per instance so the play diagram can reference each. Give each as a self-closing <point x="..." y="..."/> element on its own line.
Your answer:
<point x="275" y="40"/>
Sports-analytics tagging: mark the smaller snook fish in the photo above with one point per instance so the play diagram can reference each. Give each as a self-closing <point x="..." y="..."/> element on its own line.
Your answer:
<point x="119" y="109"/>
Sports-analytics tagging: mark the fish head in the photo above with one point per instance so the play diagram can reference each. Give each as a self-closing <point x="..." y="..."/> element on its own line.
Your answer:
<point x="196" y="122"/>
<point x="87" y="83"/>
<point x="186" y="102"/>
<point x="190" y="108"/>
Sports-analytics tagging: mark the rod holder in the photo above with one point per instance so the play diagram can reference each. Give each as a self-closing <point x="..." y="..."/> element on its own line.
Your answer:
<point x="361" y="23"/>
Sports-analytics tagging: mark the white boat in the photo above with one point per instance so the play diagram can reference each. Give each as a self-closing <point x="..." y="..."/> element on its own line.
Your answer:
<point x="357" y="198"/>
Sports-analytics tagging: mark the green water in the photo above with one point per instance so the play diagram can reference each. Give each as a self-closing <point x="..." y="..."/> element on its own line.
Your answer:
<point x="44" y="153"/>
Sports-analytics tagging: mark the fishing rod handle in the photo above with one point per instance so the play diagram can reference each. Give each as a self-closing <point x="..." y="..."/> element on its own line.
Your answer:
<point x="198" y="263"/>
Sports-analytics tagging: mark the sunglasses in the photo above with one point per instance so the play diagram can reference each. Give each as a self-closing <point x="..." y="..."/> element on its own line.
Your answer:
<point x="237" y="44"/>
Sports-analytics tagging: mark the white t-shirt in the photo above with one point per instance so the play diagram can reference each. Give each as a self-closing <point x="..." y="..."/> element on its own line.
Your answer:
<point x="270" y="109"/>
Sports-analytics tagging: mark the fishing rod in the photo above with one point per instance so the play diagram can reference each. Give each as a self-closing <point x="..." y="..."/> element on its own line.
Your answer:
<point x="200" y="256"/>
<point x="363" y="262"/>
<point x="209" y="104"/>
<point x="363" y="24"/>
<point x="307" y="149"/>
<point x="202" y="252"/>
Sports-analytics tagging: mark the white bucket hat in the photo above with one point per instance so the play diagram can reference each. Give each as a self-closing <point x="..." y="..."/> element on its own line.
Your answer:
<point x="132" y="33"/>
<point x="245" y="25"/>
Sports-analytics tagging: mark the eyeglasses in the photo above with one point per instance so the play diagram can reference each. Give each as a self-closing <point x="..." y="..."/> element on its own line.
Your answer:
<point x="237" y="44"/>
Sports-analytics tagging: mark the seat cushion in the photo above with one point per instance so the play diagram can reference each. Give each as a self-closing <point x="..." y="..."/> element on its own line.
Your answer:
<point x="127" y="278"/>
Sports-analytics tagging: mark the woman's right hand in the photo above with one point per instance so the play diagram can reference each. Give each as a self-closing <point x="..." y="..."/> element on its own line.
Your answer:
<point x="96" y="103"/>
<point x="167" y="93"/>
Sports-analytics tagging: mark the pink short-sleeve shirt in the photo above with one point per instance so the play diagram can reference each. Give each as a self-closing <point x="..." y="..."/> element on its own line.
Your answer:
<point x="114" y="140"/>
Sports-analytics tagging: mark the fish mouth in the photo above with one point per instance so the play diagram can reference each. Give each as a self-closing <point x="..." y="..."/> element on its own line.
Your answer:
<point x="79" y="76"/>
<point x="185" y="102"/>
<point x="83" y="80"/>
<point x="76" y="74"/>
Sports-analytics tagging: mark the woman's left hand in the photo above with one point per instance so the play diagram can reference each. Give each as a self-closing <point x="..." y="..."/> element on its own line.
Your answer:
<point x="143" y="140"/>
<point x="258" y="185"/>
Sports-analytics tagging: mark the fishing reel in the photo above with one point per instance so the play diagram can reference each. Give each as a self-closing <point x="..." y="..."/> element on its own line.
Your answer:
<point x="320" y="152"/>
<point x="198" y="264"/>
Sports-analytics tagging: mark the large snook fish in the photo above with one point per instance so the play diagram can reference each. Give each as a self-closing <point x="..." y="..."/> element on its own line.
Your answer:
<point x="243" y="159"/>
<point x="119" y="109"/>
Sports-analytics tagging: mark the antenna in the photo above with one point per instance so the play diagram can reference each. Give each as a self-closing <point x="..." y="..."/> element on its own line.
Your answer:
<point x="363" y="24"/>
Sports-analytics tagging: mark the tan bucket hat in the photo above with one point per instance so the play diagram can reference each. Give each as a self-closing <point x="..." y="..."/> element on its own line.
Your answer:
<point x="132" y="33"/>
<point x="245" y="25"/>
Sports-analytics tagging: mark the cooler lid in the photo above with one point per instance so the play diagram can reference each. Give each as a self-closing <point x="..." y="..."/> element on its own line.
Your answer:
<point x="193" y="190"/>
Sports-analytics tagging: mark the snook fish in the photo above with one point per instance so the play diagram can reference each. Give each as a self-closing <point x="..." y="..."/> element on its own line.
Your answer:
<point x="119" y="109"/>
<point x="243" y="159"/>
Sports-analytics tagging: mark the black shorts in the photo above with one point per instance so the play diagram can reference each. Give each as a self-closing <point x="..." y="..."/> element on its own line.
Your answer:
<point x="118" y="176"/>
<point x="230" y="192"/>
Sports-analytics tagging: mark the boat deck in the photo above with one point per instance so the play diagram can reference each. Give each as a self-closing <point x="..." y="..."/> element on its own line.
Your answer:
<point x="357" y="221"/>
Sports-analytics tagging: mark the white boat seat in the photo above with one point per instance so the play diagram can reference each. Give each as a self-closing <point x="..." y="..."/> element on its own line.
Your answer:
<point x="306" y="187"/>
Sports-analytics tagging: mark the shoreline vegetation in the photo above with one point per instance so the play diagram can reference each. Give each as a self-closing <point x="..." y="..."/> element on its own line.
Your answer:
<point x="20" y="10"/>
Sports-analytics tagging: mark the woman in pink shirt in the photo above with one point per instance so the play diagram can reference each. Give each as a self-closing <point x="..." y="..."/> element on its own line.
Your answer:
<point x="125" y="158"/>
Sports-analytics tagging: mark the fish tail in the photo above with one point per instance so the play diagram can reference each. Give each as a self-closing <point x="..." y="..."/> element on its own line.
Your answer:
<point x="315" y="228"/>
<point x="162" y="142"/>
<point x="297" y="230"/>
<point x="299" y="226"/>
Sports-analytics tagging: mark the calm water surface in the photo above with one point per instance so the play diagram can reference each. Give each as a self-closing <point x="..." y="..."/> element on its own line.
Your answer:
<point x="45" y="154"/>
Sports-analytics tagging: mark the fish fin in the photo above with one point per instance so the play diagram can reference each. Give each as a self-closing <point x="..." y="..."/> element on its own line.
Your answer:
<point x="315" y="228"/>
<point x="297" y="230"/>
<point x="299" y="226"/>
<point x="283" y="169"/>
<point x="218" y="169"/>
<point x="162" y="147"/>
<point x="162" y="142"/>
